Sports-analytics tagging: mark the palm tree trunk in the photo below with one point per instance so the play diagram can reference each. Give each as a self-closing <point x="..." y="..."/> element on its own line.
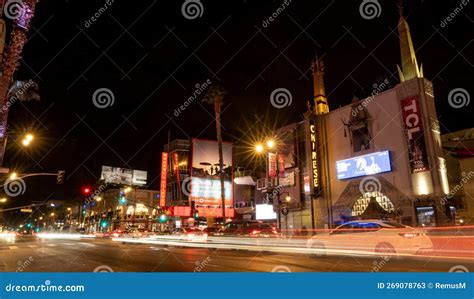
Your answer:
<point x="217" y="110"/>
<point x="12" y="55"/>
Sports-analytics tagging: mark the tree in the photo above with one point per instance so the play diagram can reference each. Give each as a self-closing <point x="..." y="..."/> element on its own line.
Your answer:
<point x="215" y="97"/>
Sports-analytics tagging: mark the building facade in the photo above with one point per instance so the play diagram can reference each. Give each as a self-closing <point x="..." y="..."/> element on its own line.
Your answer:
<point x="379" y="157"/>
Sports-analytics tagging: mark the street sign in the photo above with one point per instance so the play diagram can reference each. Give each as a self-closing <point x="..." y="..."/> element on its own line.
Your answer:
<point x="26" y="210"/>
<point x="285" y="211"/>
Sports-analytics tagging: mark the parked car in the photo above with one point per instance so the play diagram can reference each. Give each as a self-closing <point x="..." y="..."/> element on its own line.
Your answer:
<point x="189" y="234"/>
<point x="378" y="236"/>
<point x="250" y="229"/>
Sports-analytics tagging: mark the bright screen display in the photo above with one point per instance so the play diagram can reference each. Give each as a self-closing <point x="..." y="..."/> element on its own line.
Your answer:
<point x="364" y="165"/>
<point x="265" y="212"/>
<point x="205" y="181"/>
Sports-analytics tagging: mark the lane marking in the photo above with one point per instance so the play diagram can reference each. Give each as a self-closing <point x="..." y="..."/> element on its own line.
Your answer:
<point x="13" y="247"/>
<point x="32" y="246"/>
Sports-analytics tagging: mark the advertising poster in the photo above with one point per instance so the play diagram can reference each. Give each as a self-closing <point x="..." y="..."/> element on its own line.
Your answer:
<point x="205" y="181"/>
<point x="412" y="120"/>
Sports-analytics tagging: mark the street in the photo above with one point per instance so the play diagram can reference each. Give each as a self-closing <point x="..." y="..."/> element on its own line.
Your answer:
<point x="29" y="254"/>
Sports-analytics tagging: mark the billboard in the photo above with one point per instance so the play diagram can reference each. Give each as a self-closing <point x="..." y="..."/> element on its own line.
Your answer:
<point x="412" y="119"/>
<point x="364" y="165"/>
<point x="265" y="212"/>
<point x="124" y="176"/>
<point x="205" y="176"/>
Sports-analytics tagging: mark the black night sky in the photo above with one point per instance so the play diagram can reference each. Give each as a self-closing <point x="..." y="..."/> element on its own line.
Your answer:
<point x="151" y="57"/>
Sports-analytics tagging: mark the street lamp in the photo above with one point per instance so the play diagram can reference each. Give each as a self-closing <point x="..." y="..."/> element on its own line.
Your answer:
<point x="270" y="143"/>
<point x="13" y="176"/>
<point x="259" y="148"/>
<point x="27" y="139"/>
<point x="3" y="200"/>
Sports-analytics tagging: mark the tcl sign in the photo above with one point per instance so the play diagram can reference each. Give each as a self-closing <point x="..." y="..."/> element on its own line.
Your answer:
<point x="412" y="117"/>
<point x="412" y="120"/>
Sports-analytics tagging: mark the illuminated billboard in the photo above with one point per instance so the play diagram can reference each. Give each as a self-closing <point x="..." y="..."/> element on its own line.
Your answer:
<point x="364" y="165"/>
<point x="205" y="177"/>
<point x="124" y="176"/>
<point x="265" y="212"/>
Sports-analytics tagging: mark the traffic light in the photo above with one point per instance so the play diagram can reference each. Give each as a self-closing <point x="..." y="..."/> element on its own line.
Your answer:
<point x="122" y="200"/>
<point x="60" y="177"/>
<point x="103" y="223"/>
<point x="163" y="218"/>
<point x="196" y="215"/>
<point x="86" y="190"/>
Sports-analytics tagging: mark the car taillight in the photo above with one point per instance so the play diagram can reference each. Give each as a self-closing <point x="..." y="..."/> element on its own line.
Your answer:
<point x="409" y="235"/>
<point x="255" y="232"/>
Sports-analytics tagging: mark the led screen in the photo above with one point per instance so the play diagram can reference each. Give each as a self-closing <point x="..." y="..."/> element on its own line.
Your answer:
<point x="265" y="212"/>
<point x="364" y="165"/>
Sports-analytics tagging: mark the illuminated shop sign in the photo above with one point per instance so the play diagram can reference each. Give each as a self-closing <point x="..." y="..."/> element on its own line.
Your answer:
<point x="412" y="119"/>
<point x="364" y="165"/>
<point x="164" y="173"/>
<point x="314" y="158"/>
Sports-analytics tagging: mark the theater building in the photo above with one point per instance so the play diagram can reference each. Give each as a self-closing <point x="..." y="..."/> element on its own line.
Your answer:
<point x="379" y="157"/>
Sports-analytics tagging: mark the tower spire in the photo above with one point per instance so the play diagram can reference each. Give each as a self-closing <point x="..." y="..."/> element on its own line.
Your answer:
<point x="320" y="100"/>
<point x="409" y="68"/>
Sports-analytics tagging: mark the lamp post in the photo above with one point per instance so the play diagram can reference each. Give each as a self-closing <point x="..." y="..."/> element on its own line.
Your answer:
<point x="270" y="147"/>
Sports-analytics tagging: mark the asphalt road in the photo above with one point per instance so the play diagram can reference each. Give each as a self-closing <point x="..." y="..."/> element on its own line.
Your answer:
<point x="29" y="254"/>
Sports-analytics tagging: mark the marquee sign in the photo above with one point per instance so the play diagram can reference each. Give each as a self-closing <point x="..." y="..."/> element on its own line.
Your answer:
<point x="164" y="173"/>
<point x="314" y="169"/>
<point x="412" y="120"/>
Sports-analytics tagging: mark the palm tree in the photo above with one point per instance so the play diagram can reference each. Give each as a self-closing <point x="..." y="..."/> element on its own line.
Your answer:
<point x="215" y="96"/>
<point x="24" y="91"/>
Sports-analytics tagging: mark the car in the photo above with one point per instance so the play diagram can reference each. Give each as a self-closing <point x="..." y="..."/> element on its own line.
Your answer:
<point x="212" y="231"/>
<point x="189" y="234"/>
<point x="379" y="236"/>
<point x="250" y="229"/>
<point x="136" y="233"/>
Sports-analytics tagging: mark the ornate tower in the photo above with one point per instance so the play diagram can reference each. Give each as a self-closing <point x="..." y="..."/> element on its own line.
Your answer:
<point x="409" y="69"/>
<point x="320" y="100"/>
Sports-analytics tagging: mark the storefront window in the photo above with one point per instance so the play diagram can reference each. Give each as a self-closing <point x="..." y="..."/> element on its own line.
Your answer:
<point x="426" y="216"/>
